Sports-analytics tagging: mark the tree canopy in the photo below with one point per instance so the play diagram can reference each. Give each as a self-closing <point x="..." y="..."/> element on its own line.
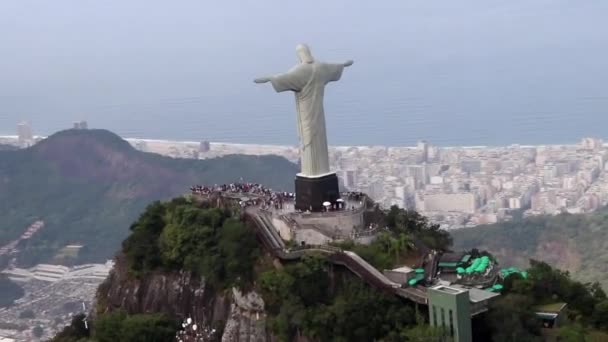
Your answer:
<point x="302" y="299"/>
<point x="512" y="317"/>
<point x="574" y="242"/>
<point x="179" y="235"/>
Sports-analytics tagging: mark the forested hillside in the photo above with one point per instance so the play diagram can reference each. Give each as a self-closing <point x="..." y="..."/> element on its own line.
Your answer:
<point x="88" y="186"/>
<point x="189" y="258"/>
<point x="576" y="243"/>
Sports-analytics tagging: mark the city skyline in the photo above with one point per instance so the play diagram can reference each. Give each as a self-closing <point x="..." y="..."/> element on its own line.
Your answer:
<point x="456" y="187"/>
<point x="83" y="124"/>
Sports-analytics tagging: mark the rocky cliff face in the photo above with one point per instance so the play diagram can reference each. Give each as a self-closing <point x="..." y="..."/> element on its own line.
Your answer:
<point x="236" y="317"/>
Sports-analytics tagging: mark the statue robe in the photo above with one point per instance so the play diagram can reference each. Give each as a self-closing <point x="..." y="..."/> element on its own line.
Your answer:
<point x="307" y="81"/>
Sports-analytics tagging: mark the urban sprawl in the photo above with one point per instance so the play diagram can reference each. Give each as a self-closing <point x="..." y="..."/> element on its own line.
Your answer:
<point x="455" y="187"/>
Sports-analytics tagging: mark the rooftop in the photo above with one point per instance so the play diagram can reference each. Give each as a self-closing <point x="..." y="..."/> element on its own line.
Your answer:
<point x="403" y="269"/>
<point x="551" y="307"/>
<point x="477" y="295"/>
<point x="452" y="257"/>
<point x="449" y="289"/>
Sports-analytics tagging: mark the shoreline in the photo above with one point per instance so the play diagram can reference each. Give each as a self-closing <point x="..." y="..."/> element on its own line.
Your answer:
<point x="283" y="146"/>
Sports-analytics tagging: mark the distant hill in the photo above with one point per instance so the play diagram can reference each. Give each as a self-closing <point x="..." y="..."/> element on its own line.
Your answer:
<point x="5" y="147"/>
<point x="88" y="186"/>
<point x="577" y="243"/>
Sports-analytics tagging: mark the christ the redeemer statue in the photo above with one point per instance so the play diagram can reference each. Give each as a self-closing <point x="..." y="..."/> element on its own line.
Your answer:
<point x="307" y="80"/>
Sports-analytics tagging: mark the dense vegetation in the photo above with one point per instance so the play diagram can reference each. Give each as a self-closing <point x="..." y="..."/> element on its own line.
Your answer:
<point x="302" y="299"/>
<point x="311" y="297"/>
<point x="577" y="243"/>
<point x="89" y="185"/>
<point x="120" y="327"/>
<point x="179" y="235"/>
<point x="512" y="317"/>
<point x="307" y="298"/>
<point x="399" y="220"/>
<point x="9" y="291"/>
<point x="406" y="230"/>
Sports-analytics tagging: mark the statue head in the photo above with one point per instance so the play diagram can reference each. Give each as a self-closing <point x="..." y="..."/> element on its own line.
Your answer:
<point x="304" y="54"/>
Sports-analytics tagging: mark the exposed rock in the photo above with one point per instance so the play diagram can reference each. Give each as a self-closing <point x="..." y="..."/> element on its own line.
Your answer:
<point x="237" y="317"/>
<point x="244" y="325"/>
<point x="251" y="301"/>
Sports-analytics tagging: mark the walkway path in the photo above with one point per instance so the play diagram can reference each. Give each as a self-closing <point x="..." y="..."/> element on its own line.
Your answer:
<point x="273" y="242"/>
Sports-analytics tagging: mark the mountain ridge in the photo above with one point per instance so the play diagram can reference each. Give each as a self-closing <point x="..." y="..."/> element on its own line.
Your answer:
<point x="573" y="242"/>
<point x="88" y="186"/>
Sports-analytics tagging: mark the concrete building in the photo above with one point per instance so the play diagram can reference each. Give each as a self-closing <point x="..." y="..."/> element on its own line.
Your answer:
<point x="552" y="315"/>
<point x="400" y="192"/>
<point x="81" y="125"/>
<point x="515" y="203"/>
<point x="470" y="166"/>
<point x="350" y="179"/>
<point x="591" y="143"/>
<point x="400" y="275"/>
<point x="449" y="308"/>
<point x="24" y="134"/>
<point x="423" y="147"/>
<point x="462" y="202"/>
<point x="436" y="180"/>
<point x="418" y="172"/>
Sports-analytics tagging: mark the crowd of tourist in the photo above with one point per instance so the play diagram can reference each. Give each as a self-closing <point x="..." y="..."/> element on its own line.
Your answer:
<point x="353" y="196"/>
<point x="264" y="197"/>
<point x="236" y="188"/>
<point x="268" y="199"/>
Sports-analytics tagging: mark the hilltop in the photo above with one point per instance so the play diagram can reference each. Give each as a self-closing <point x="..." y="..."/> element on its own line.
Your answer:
<point x="207" y="260"/>
<point x="5" y="147"/>
<point x="88" y="186"/>
<point x="576" y="243"/>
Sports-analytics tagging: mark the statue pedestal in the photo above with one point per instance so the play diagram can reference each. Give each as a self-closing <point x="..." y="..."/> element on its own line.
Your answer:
<point x="311" y="192"/>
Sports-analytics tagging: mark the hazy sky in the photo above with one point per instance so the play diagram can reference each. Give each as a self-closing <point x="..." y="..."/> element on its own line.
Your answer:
<point x="453" y="72"/>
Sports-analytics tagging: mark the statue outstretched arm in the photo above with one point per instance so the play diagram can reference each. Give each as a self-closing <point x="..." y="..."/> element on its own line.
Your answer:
<point x="292" y="80"/>
<point x="262" y="80"/>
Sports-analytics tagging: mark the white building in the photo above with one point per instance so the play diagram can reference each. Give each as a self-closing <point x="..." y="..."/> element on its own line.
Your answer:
<point x="461" y="202"/>
<point x="24" y="133"/>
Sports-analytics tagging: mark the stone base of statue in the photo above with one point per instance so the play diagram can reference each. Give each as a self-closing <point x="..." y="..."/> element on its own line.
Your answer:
<point x="312" y="191"/>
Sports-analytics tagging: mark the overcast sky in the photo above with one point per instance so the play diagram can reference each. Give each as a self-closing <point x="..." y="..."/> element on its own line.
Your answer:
<point x="184" y="68"/>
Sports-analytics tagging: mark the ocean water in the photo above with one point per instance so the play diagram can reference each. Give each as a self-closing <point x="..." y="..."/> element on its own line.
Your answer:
<point x="392" y="114"/>
<point x="471" y="73"/>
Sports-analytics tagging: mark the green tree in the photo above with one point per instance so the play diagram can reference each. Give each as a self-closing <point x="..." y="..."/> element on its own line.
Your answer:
<point x="75" y="332"/>
<point x="179" y="235"/>
<point x="304" y="299"/>
<point x="108" y="327"/>
<point x="120" y="327"/>
<point x="141" y="247"/>
<point x="399" y="220"/>
<point x="571" y="333"/>
<point x="512" y="319"/>
<point x="239" y="249"/>
<point x="426" y="333"/>
<point x="148" y="328"/>
<point x="600" y="315"/>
